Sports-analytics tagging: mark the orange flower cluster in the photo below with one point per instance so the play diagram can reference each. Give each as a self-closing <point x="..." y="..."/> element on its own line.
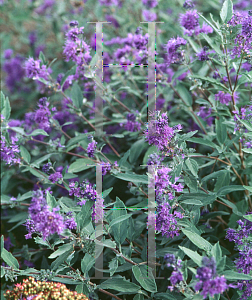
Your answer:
<point x="36" y="290"/>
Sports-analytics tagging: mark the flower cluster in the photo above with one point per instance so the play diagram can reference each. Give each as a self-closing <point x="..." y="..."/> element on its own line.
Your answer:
<point x="242" y="239"/>
<point x="173" y="54"/>
<point x="205" y="114"/>
<point x="84" y="191"/>
<point x="132" y="125"/>
<point x="243" y="39"/>
<point x="176" y="276"/>
<point x="55" y="177"/>
<point x="41" y="219"/>
<point x="190" y="22"/>
<point x="91" y="148"/>
<point x="8" y="150"/>
<point x="36" y="70"/>
<point x="166" y="221"/>
<point x="13" y="66"/>
<point x="225" y="98"/>
<point x="43" y="114"/>
<point x="76" y="49"/>
<point x="208" y="281"/>
<point x="203" y="55"/>
<point x="106" y="167"/>
<point x="160" y="134"/>
<point x="33" y="290"/>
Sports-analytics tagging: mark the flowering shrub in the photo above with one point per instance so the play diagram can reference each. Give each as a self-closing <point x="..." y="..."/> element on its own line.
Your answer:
<point x="126" y="157"/>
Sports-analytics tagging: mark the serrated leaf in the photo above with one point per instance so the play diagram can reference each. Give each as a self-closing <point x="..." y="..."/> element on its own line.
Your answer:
<point x="51" y="201"/>
<point x="118" y="220"/>
<point x="202" y="142"/>
<point x="113" y="265"/>
<point x="136" y="150"/>
<point x="146" y="280"/>
<point x="216" y="252"/>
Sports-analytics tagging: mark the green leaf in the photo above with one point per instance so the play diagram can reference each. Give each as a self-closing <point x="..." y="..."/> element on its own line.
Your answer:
<point x="25" y="196"/>
<point x="55" y="264"/>
<point x="146" y="280"/>
<point x="202" y="142"/>
<point x="165" y="296"/>
<point x="25" y="154"/>
<point x="192" y="202"/>
<point x="84" y="216"/>
<point x="38" y="161"/>
<point x="139" y="297"/>
<point x="192" y="166"/>
<point x="226" y="12"/>
<point x="87" y="263"/>
<point x="229" y="189"/>
<point x="119" y="220"/>
<point x="136" y="150"/>
<point x="249" y="188"/>
<point x="221" y="130"/>
<point x="2" y="243"/>
<point x="234" y="276"/>
<point x="82" y="289"/>
<point x="80" y="165"/>
<point x="185" y="94"/>
<point x="216" y="252"/>
<point x="113" y="265"/>
<point x="72" y="71"/>
<point x="209" y="23"/>
<point x="210" y="42"/>
<point x="191" y="182"/>
<point x="197" y="240"/>
<point x="193" y="255"/>
<point x="223" y="179"/>
<point x="51" y="201"/>
<point x="132" y="177"/>
<point x="2" y="273"/>
<point x="38" y="132"/>
<point x="61" y="250"/>
<point x="248" y="217"/>
<point x="247" y="150"/>
<point x="9" y="259"/>
<point x="120" y="284"/>
<point x="120" y="230"/>
<point x="5" y="106"/>
<point x="77" y="95"/>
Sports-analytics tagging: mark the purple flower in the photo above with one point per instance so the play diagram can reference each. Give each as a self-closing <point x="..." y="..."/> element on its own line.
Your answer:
<point x="190" y="20"/>
<point x="91" y="148"/>
<point x="8" y="151"/>
<point x="55" y="177"/>
<point x="8" y="53"/>
<point x="150" y="3"/>
<point x="173" y="55"/>
<point x="35" y="71"/>
<point x="109" y="2"/>
<point x="225" y="98"/>
<point x="149" y="15"/>
<point x="159" y="133"/>
<point x="205" y="113"/>
<point x="13" y="67"/>
<point x="203" y="55"/>
<point x="166" y="221"/>
<point x="208" y="281"/>
<point x="84" y="191"/>
<point x="41" y="219"/>
<point x="188" y="4"/>
<point x="132" y="125"/>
